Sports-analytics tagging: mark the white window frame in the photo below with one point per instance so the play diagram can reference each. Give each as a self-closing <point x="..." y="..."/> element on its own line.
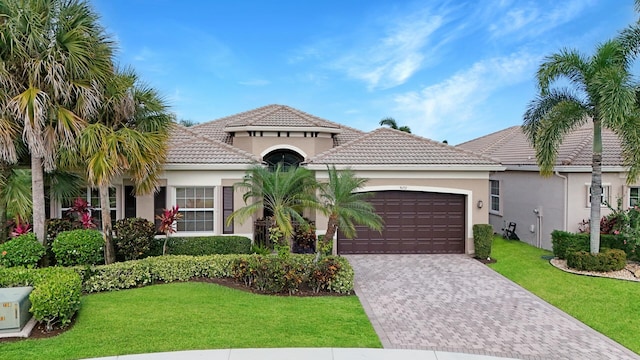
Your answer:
<point x="605" y="196"/>
<point x="88" y="196"/>
<point x="635" y="198"/>
<point x="493" y="196"/>
<point x="184" y="209"/>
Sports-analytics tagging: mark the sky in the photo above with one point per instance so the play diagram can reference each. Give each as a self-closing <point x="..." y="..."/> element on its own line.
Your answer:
<point x="450" y="70"/>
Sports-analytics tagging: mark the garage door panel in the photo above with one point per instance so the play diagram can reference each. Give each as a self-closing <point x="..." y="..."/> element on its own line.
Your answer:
<point x="415" y="222"/>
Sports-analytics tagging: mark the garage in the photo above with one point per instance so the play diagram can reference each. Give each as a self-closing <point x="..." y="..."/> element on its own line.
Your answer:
<point x="414" y="223"/>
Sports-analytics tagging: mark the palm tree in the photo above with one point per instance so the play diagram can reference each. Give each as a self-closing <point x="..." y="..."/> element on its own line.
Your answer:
<point x="344" y="206"/>
<point x="128" y="135"/>
<point x="630" y="36"/>
<point x="53" y="55"/>
<point x="391" y="122"/>
<point x="601" y="91"/>
<point x="285" y="193"/>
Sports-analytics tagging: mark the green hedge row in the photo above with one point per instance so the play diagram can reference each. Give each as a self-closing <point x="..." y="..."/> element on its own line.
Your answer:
<point x="482" y="240"/>
<point x="170" y="268"/>
<point x="203" y="245"/>
<point x="56" y="292"/>
<point x="563" y="241"/>
<point x="608" y="260"/>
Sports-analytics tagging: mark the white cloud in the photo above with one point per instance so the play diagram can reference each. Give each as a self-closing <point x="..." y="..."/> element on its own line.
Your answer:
<point x="255" y="82"/>
<point x="454" y="102"/>
<point x="144" y="54"/>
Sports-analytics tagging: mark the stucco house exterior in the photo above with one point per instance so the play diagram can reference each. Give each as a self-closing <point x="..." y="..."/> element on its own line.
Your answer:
<point x="538" y="205"/>
<point x="429" y="194"/>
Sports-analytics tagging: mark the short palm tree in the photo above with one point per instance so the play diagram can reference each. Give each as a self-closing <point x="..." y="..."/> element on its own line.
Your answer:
<point x="344" y="206"/>
<point x="391" y="122"/>
<point x="53" y="55"/>
<point x="283" y="193"/>
<point x="129" y="135"/>
<point x="601" y="91"/>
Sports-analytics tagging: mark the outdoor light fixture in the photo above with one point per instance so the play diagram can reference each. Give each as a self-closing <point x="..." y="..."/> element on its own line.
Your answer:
<point x="480" y="204"/>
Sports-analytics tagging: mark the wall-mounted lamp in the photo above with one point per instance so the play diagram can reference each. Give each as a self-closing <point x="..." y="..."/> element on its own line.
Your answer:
<point x="480" y="204"/>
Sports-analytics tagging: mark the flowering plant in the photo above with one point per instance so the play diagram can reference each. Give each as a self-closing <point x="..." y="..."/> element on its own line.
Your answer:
<point x="167" y="219"/>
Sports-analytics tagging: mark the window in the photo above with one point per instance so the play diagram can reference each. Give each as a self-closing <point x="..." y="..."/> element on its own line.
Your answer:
<point x="634" y="196"/>
<point x="604" y="197"/>
<point x="92" y="196"/>
<point x="494" y="194"/>
<point x="196" y="207"/>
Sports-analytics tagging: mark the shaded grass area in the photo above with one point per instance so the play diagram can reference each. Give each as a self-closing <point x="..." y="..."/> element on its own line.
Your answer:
<point x="190" y="316"/>
<point x="609" y="306"/>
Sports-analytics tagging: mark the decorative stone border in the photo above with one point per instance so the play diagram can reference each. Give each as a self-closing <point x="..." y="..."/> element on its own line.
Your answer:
<point x="631" y="272"/>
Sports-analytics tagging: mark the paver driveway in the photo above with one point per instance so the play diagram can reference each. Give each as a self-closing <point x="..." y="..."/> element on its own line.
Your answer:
<point x="454" y="303"/>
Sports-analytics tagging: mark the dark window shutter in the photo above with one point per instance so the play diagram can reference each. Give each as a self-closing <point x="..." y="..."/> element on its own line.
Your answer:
<point x="227" y="208"/>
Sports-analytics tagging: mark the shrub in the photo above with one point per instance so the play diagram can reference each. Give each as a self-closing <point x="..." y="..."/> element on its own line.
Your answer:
<point x="482" y="240"/>
<point x="304" y="239"/>
<point x="78" y="247"/>
<point x="564" y="242"/>
<point x="134" y="237"/>
<point x="24" y="250"/>
<point x="204" y="245"/>
<point x="56" y="226"/>
<point x="608" y="260"/>
<point x="56" y="294"/>
<point x="324" y="273"/>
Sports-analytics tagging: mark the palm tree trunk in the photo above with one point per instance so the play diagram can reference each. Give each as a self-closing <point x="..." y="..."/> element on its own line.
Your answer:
<point x="37" y="190"/>
<point x="107" y="233"/>
<point x="596" y="187"/>
<point x="332" y="226"/>
<point x="5" y="172"/>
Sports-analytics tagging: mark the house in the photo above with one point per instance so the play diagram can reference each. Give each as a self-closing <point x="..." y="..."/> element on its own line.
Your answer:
<point x="538" y="205"/>
<point x="428" y="193"/>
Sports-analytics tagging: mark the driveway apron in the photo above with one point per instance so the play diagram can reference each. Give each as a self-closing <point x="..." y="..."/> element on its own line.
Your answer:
<point x="455" y="303"/>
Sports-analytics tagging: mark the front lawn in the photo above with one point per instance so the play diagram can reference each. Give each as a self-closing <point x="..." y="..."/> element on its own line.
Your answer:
<point x="610" y="306"/>
<point x="186" y="316"/>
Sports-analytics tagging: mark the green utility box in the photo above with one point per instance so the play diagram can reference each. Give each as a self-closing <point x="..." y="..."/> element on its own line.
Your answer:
<point x="14" y="308"/>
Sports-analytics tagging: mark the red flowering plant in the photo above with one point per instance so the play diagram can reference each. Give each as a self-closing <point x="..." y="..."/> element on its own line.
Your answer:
<point x="21" y="229"/>
<point x="80" y="214"/>
<point x="167" y="221"/>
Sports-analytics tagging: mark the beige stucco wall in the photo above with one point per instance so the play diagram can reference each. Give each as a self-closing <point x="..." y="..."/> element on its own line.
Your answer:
<point x="306" y="146"/>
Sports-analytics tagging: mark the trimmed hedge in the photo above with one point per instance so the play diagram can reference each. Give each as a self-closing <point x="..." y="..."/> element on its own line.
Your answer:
<point x="24" y="250"/>
<point x="79" y="247"/>
<point x="56" y="292"/>
<point x="134" y="237"/>
<point x="170" y="268"/>
<point x="203" y="245"/>
<point x="563" y="242"/>
<point x="482" y="240"/>
<point x="608" y="260"/>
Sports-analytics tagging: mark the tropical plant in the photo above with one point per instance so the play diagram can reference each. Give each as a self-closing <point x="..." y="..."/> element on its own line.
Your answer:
<point x="282" y="193"/>
<point x="53" y="55"/>
<point x="601" y="92"/>
<point x="167" y="220"/>
<point x="345" y="206"/>
<point x="129" y="134"/>
<point x="15" y="198"/>
<point x="391" y="122"/>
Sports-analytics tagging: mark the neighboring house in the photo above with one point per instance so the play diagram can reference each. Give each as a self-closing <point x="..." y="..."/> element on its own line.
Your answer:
<point x="538" y="205"/>
<point x="429" y="194"/>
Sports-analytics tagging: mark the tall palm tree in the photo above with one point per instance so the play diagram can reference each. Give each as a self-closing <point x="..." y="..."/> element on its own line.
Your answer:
<point x="391" y="122"/>
<point x="601" y="91"/>
<point x="630" y="36"/>
<point x="53" y="55"/>
<point x="129" y="135"/>
<point x="285" y="193"/>
<point x="344" y="206"/>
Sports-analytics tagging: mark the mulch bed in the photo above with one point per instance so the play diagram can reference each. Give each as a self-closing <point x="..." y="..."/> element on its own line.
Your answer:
<point x="485" y="261"/>
<point x="40" y="332"/>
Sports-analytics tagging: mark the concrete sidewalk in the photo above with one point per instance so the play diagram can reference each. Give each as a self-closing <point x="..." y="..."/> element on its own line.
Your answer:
<point x="305" y="353"/>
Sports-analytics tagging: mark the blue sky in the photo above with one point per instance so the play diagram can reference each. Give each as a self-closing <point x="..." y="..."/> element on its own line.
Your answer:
<point x="451" y="70"/>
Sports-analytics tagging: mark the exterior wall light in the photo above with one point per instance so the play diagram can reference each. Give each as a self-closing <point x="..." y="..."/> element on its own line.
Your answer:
<point x="480" y="204"/>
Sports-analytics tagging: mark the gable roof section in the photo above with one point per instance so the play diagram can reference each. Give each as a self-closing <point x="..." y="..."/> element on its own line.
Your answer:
<point x="188" y="147"/>
<point x="381" y="148"/>
<point x="511" y="147"/>
<point x="276" y="116"/>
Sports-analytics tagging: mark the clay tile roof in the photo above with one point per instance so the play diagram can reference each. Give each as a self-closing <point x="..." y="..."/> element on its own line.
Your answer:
<point x="188" y="147"/>
<point x="386" y="146"/>
<point x="276" y="116"/>
<point x="511" y="147"/>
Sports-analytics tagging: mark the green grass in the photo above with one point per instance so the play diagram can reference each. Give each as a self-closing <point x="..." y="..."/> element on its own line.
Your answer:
<point x="184" y="316"/>
<point x="609" y="306"/>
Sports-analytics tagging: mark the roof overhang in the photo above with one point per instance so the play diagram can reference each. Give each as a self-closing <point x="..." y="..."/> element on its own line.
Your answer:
<point x="284" y="128"/>
<point x="567" y="168"/>
<point x="409" y="167"/>
<point x="196" y="166"/>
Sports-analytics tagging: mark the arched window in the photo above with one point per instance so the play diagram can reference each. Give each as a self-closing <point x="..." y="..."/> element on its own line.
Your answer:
<point x="287" y="159"/>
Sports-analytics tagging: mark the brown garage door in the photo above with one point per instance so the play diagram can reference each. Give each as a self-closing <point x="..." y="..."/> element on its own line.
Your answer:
<point x="415" y="223"/>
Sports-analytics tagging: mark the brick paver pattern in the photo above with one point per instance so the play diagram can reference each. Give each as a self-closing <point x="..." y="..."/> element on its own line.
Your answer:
<point x="455" y="303"/>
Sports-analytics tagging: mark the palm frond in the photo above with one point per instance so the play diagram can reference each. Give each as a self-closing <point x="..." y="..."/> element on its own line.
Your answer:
<point x="569" y="64"/>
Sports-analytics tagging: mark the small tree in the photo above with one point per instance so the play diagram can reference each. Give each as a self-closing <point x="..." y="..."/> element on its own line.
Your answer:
<point x="167" y="219"/>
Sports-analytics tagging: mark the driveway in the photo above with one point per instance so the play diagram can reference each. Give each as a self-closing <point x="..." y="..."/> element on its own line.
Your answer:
<point x="455" y="303"/>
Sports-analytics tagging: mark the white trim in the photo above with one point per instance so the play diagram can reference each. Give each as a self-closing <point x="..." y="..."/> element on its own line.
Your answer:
<point x="285" y="147"/>
<point x="283" y="129"/>
<point x="442" y="190"/>
<point x="568" y="168"/>
<point x="209" y="166"/>
<point x="390" y="173"/>
<point x="391" y="167"/>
